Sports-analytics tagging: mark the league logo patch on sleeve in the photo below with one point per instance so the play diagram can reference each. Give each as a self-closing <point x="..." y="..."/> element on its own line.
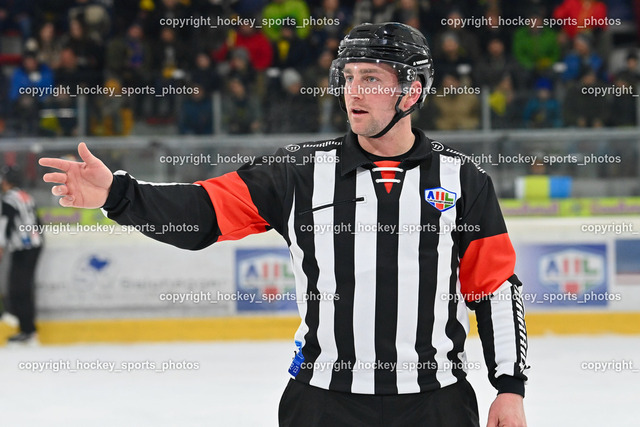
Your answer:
<point x="440" y="198"/>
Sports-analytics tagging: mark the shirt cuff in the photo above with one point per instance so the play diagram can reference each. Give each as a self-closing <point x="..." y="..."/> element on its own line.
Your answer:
<point x="509" y="384"/>
<point x="116" y="192"/>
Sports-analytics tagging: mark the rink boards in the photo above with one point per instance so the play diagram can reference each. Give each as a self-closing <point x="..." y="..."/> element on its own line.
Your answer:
<point x="580" y="275"/>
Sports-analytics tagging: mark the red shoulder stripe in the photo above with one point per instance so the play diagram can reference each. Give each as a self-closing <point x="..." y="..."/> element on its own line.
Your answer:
<point x="236" y="213"/>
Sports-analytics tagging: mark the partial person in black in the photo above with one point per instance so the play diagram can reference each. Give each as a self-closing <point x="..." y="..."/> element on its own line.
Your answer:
<point x="20" y="238"/>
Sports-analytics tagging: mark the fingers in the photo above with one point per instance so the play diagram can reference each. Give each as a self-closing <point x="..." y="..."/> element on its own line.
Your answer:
<point x="59" y="190"/>
<point x="86" y="155"/>
<point x="51" y="162"/>
<point x="56" y="177"/>
<point x="66" y="201"/>
<point x="63" y="190"/>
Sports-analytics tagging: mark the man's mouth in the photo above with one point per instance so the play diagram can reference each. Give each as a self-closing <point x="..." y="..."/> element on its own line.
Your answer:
<point x="358" y="111"/>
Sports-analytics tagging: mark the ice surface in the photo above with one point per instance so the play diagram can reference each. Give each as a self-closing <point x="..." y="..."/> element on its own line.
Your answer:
<point x="239" y="384"/>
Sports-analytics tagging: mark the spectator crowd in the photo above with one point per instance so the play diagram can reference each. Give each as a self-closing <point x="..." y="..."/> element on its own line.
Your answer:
<point x="183" y="63"/>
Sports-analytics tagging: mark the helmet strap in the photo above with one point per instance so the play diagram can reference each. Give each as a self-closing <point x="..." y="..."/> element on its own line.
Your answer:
<point x="396" y="118"/>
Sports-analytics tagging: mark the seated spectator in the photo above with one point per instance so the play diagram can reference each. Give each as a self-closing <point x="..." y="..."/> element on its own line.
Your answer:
<point x="130" y="56"/>
<point x="253" y="40"/>
<point x="316" y="72"/>
<point x="467" y="40"/>
<point x="492" y="68"/>
<point x="240" y="67"/>
<point x="452" y="60"/>
<point x="196" y="115"/>
<point x="331" y="11"/>
<point x="291" y="12"/>
<point x="25" y="107"/>
<point x="169" y="54"/>
<point x="240" y="111"/>
<point x="586" y="15"/>
<point x="204" y="74"/>
<point x="293" y="112"/>
<point x="89" y="52"/>
<point x="584" y="109"/>
<point x="290" y="50"/>
<point x="582" y="58"/>
<point x="68" y="74"/>
<point x="171" y="57"/>
<point x="331" y="117"/>
<point x="492" y="30"/>
<point x="129" y="59"/>
<point x="624" y="105"/>
<point x="17" y="16"/>
<point x="630" y="72"/>
<point x="542" y="110"/>
<point x="536" y="49"/>
<point x="113" y="118"/>
<point x="49" y="47"/>
<point x="456" y="111"/>
<point x="372" y="11"/>
<point x="503" y="102"/>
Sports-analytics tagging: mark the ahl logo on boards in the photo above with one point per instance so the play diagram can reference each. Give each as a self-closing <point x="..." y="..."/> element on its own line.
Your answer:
<point x="440" y="198"/>
<point x="572" y="271"/>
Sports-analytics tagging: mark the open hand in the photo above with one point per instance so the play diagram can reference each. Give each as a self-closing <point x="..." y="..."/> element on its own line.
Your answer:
<point x="84" y="184"/>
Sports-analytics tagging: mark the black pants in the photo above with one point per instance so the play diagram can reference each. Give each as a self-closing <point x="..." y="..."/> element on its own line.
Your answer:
<point x="305" y="405"/>
<point x="22" y="287"/>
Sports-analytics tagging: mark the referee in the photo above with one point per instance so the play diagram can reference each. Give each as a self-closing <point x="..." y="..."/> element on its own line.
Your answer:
<point x="17" y="213"/>
<point x="392" y="237"/>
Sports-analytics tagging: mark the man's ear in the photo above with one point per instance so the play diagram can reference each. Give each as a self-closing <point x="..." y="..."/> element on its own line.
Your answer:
<point x="413" y="96"/>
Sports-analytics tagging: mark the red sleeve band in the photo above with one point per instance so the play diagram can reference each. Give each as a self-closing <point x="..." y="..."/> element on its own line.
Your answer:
<point x="486" y="265"/>
<point x="236" y="213"/>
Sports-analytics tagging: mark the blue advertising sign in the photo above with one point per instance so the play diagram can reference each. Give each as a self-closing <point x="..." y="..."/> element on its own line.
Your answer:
<point x="563" y="275"/>
<point x="264" y="280"/>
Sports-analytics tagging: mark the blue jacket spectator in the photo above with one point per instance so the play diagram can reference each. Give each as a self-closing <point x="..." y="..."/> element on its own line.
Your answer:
<point x="30" y="75"/>
<point x="582" y="58"/>
<point x="542" y="111"/>
<point x="197" y="113"/>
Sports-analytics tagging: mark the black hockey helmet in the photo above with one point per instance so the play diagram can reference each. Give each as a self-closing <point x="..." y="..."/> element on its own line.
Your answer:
<point x="11" y="175"/>
<point x="400" y="46"/>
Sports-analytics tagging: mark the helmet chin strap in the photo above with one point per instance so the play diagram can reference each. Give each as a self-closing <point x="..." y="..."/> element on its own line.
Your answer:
<point x="396" y="118"/>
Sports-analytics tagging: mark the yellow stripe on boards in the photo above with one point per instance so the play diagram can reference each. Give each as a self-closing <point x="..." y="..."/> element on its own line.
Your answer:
<point x="281" y="327"/>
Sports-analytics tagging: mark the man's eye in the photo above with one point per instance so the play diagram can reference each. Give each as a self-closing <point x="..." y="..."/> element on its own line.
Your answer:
<point x="371" y="79"/>
<point x="348" y="78"/>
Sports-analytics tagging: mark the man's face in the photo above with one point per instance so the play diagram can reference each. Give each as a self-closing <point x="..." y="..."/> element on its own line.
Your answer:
<point x="370" y="94"/>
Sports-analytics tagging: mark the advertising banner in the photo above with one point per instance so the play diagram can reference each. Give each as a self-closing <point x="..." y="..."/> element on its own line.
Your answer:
<point x="563" y="275"/>
<point x="264" y="279"/>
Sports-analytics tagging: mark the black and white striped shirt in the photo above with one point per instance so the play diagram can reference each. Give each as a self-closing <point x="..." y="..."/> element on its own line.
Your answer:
<point x="18" y="221"/>
<point x="389" y="253"/>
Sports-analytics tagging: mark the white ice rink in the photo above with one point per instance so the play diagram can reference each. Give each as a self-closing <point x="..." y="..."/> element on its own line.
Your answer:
<point x="239" y="384"/>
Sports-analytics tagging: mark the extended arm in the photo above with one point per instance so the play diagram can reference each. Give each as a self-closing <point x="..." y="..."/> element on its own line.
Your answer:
<point x="178" y="214"/>
<point x="189" y="216"/>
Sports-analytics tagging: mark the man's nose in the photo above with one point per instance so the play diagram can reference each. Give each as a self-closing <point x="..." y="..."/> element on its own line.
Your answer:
<point x="354" y="90"/>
